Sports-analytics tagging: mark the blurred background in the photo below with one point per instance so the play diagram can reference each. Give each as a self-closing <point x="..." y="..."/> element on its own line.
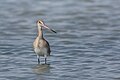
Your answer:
<point x="86" y="47"/>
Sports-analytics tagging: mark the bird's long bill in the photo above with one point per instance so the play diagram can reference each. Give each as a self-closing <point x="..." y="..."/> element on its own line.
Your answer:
<point x="45" y="26"/>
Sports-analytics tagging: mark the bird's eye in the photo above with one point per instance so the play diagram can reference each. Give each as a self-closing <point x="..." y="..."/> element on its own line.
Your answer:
<point x="40" y="22"/>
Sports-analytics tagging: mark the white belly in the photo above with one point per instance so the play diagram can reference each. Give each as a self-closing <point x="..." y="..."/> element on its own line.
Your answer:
<point x="41" y="51"/>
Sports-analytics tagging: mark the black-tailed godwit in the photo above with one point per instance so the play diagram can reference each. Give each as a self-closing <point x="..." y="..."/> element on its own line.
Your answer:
<point x="40" y="45"/>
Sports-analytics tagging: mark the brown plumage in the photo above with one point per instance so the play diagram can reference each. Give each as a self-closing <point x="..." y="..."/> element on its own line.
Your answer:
<point x="40" y="45"/>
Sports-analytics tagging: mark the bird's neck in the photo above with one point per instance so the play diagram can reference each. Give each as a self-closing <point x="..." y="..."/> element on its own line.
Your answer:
<point x="40" y="33"/>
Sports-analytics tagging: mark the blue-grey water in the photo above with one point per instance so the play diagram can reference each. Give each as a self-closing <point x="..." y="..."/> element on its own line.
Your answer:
<point x="86" y="47"/>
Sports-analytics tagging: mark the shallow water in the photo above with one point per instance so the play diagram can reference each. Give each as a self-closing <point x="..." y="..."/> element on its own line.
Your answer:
<point x="86" y="47"/>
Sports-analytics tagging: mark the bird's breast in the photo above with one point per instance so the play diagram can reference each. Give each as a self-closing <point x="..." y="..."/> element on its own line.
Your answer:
<point x="40" y="51"/>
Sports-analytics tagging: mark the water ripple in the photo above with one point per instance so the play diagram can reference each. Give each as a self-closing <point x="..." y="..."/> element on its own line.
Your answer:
<point x="86" y="46"/>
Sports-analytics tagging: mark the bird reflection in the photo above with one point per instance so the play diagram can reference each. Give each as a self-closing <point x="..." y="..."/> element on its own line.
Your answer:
<point x="41" y="68"/>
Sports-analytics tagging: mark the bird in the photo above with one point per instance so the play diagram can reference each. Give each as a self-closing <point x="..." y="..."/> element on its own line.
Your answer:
<point x="40" y="45"/>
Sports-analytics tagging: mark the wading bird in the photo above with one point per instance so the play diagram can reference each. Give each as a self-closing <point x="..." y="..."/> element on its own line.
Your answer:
<point x="40" y="45"/>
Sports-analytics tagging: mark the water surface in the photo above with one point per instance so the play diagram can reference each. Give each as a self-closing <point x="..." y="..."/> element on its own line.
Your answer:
<point x="86" y="47"/>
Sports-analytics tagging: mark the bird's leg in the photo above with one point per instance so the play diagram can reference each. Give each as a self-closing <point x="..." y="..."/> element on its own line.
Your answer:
<point x="38" y="57"/>
<point x="38" y="61"/>
<point x="45" y="59"/>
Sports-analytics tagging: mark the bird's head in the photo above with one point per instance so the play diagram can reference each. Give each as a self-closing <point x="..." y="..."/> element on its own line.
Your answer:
<point x="41" y="24"/>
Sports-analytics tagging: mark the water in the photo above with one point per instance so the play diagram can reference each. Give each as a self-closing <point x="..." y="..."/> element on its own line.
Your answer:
<point x="86" y="47"/>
